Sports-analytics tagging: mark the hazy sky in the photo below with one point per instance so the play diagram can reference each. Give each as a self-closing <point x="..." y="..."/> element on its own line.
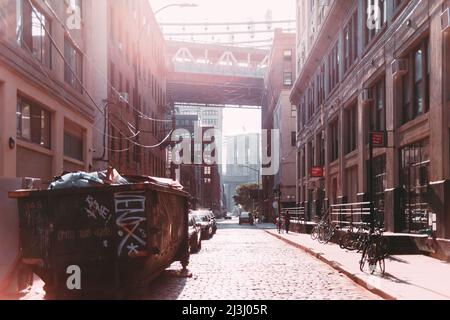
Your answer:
<point x="225" y="10"/>
<point x="235" y="121"/>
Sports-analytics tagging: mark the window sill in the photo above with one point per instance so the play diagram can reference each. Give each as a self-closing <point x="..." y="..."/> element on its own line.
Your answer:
<point x="377" y="37"/>
<point x="334" y="163"/>
<point x="34" y="147"/>
<point x="350" y="69"/>
<point x="412" y="123"/>
<point x="399" y="10"/>
<point x="330" y="95"/>
<point x="74" y="161"/>
<point x="351" y="154"/>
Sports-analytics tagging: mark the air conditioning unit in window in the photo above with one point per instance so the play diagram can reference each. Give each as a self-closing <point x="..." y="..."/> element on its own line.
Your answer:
<point x="445" y="20"/>
<point x="124" y="97"/>
<point x="366" y="96"/>
<point x="399" y="67"/>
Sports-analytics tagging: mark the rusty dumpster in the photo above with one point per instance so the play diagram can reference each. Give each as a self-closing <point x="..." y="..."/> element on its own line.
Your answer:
<point x="116" y="238"/>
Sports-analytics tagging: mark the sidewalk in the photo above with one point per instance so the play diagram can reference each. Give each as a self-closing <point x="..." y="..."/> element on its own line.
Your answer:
<point x="410" y="277"/>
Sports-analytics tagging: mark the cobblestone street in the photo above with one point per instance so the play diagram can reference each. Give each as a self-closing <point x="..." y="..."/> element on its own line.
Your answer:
<point x="243" y="262"/>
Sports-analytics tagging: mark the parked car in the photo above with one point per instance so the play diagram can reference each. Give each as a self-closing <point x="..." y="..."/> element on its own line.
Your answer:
<point x="203" y="221"/>
<point x="213" y="220"/>
<point x="195" y="235"/>
<point x="228" y="216"/>
<point x="246" y="217"/>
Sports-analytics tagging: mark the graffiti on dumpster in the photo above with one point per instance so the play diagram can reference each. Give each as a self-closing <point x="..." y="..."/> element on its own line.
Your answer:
<point x="95" y="210"/>
<point x="130" y="220"/>
<point x="37" y="228"/>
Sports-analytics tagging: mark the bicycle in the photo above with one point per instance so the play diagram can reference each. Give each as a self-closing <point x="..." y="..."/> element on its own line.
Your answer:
<point x="375" y="250"/>
<point x="280" y="225"/>
<point x="326" y="232"/>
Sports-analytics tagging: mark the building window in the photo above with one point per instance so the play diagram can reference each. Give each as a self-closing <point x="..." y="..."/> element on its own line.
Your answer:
<point x="415" y="84"/>
<point x="311" y="103"/>
<point x="293" y="111"/>
<point x="375" y="18"/>
<point x="321" y="85"/>
<point x="334" y="132"/>
<point x="379" y="183"/>
<point x="304" y="115"/>
<point x="351" y="41"/>
<point x="311" y="154"/>
<point x="320" y="149"/>
<point x="207" y="180"/>
<point x="293" y="139"/>
<point x="73" y="146"/>
<point x="378" y="107"/>
<point x="77" y="5"/>
<point x="351" y="115"/>
<point x="34" y="31"/>
<point x="333" y="62"/>
<point x="73" y="67"/>
<point x="351" y="176"/>
<point x="287" y="78"/>
<point x="207" y="171"/>
<point x="287" y="54"/>
<point x="303" y="164"/>
<point x="447" y="63"/>
<point x="33" y="123"/>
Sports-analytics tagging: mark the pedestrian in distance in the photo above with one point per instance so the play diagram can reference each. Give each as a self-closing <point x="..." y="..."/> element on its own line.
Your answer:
<point x="287" y="221"/>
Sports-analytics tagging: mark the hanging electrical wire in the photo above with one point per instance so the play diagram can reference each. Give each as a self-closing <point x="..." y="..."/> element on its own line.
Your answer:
<point x="142" y="115"/>
<point x="164" y="24"/>
<point x="58" y="49"/>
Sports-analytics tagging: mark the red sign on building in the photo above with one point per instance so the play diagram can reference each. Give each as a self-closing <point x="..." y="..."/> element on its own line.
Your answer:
<point x="317" y="172"/>
<point x="378" y="139"/>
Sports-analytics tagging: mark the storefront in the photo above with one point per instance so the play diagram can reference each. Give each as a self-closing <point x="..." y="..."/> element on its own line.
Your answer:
<point x="414" y="181"/>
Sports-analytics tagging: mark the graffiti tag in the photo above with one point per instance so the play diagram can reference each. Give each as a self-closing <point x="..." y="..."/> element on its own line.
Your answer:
<point x="95" y="210"/>
<point x="130" y="219"/>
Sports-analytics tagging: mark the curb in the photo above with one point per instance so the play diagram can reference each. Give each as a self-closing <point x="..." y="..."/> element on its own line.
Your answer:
<point x="335" y="265"/>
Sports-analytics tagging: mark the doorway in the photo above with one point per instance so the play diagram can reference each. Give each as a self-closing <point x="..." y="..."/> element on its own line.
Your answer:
<point x="415" y="178"/>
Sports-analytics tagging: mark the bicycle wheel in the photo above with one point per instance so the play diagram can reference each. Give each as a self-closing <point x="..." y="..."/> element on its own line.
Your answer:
<point x="382" y="265"/>
<point x="315" y="233"/>
<point x="363" y="260"/>
<point x="346" y="241"/>
<point x="321" y="237"/>
<point x="330" y="233"/>
<point x="372" y="257"/>
<point x="384" y="247"/>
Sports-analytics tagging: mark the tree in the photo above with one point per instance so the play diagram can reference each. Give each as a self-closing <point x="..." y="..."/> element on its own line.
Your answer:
<point x="246" y="196"/>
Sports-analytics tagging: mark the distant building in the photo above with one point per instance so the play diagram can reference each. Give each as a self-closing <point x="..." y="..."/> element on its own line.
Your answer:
<point x="243" y="163"/>
<point x="285" y="120"/>
<point x="198" y="176"/>
<point x="279" y="77"/>
<point x="127" y="45"/>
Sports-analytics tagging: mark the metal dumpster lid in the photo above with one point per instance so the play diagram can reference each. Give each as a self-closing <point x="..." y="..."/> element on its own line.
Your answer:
<point x="104" y="188"/>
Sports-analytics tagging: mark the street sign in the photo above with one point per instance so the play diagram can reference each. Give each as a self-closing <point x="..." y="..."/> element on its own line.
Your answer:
<point x="378" y="139"/>
<point x="317" y="172"/>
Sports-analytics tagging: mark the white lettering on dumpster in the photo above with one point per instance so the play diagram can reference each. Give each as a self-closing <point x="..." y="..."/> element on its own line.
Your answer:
<point x="74" y="280"/>
<point x="130" y="218"/>
<point x="95" y="210"/>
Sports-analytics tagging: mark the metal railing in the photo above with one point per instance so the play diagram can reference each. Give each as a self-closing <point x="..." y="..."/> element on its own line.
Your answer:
<point x="351" y="214"/>
<point x="297" y="214"/>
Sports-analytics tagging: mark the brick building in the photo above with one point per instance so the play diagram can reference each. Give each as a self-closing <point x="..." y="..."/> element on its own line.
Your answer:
<point x="357" y="74"/>
<point x="46" y="118"/>
<point x="279" y="76"/>
<point x="128" y="47"/>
